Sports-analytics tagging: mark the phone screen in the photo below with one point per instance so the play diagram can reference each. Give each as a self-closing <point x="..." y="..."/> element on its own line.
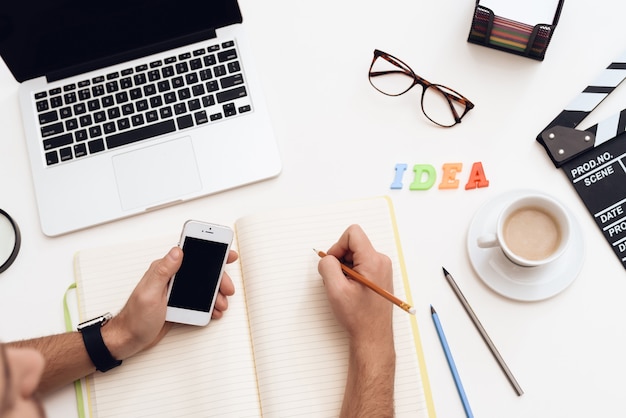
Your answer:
<point x="196" y="281"/>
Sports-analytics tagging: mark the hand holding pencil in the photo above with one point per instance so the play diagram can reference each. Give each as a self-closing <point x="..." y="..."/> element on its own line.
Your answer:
<point x="355" y="291"/>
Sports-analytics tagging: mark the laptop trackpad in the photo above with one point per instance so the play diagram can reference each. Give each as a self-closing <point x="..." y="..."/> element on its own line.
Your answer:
<point x="157" y="174"/>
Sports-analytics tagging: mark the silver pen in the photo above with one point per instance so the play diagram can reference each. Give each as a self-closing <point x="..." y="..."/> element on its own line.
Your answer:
<point x="483" y="333"/>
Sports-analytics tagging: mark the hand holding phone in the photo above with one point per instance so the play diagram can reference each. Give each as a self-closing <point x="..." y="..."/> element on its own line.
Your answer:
<point x="193" y="289"/>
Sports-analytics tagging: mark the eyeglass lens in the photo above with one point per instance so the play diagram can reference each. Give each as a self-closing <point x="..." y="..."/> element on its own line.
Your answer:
<point x="437" y="105"/>
<point x="390" y="78"/>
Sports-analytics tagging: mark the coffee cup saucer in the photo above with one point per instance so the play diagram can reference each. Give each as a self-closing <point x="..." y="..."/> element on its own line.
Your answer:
<point x="526" y="284"/>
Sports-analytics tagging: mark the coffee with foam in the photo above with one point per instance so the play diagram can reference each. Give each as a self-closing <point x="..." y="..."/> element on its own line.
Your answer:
<point x="532" y="233"/>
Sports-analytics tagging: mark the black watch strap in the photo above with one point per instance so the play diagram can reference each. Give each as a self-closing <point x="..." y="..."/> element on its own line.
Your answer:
<point x="98" y="352"/>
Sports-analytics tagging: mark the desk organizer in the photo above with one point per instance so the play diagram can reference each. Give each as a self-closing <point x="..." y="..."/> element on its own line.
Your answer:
<point x="508" y="35"/>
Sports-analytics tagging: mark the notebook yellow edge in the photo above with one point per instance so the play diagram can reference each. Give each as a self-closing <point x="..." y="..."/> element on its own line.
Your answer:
<point x="407" y="288"/>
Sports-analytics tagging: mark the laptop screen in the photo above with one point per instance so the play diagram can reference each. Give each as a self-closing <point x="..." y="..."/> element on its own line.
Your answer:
<point x="38" y="37"/>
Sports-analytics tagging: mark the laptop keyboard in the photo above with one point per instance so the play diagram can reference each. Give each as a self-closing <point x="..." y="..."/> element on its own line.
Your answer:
<point x="195" y="88"/>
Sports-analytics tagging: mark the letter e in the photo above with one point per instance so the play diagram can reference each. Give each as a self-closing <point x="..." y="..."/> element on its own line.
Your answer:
<point x="449" y="180"/>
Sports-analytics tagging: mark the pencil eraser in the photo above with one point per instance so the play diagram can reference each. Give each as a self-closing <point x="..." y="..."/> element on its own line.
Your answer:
<point x="412" y="311"/>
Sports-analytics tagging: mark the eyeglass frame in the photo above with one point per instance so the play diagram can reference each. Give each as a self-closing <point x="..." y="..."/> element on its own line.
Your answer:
<point x="457" y="97"/>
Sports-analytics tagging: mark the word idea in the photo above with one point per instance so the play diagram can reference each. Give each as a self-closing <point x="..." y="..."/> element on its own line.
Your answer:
<point x="425" y="176"/>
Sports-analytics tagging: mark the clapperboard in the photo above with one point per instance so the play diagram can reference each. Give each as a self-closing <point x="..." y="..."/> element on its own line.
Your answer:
<point x="594" y="159"/>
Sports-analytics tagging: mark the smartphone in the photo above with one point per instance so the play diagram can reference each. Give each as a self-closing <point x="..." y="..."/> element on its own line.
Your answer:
<point x="194" y="288"/>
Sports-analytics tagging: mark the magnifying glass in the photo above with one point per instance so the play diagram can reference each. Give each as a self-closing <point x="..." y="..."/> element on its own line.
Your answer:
<point x="9" y="240"/>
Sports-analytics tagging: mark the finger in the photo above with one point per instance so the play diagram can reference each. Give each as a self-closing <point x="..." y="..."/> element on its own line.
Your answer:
<point x="330" y="270"/>
<point x="353" y="240"/>
<point x="226" y="286"/>
<point x="232" y="256"/>
<point x="221" y="303"/>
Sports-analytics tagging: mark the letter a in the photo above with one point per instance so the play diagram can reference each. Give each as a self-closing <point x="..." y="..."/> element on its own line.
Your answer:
<point x="477" y="177"/>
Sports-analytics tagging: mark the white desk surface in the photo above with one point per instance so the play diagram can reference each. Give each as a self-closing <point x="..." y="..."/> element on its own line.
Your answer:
<point x="339" y="139"/>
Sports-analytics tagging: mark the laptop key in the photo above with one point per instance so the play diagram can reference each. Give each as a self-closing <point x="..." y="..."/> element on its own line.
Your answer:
<point x="48" y="117"/>
<point x="65" y="112"/>
<point x="123" y="123"/>
<point x="139" y="134"/>
<point x="80" y="150"/>
<point x="80" y="135"/>
<point x="201" y="117"/>
<point x="66" y="154"/>
<point x="165" y="112"/>
<point x="126" y="83"/>
<point x="52" y="158"/>
<point x="50" y="130"/>
<point x="227" y="55"/>
<point x="80" y="108"/>
<point x="96" y="145"/>
<point x="57" y="142"/>
<point x="209" y="60"/>
<point x="233" y="80"/>
<point x="229" y="109"/>
<point x="234" y="67"/>
<point x="184" y="122"/>
<point x="84" y="94"/>
<point x="93" y="105"/>
<point x="71" y="124"/>
<point x="208" y="100"/>
<point x="109" y="127"/>
<point x="99" y="117"/>
<point x="56" y="101"/>
<point x="225" y="96"/>
<point x="152" y="116"/>
<point x="42" y="105"/>
<point x="95" y="131"/>
<point x="219" y="70"/>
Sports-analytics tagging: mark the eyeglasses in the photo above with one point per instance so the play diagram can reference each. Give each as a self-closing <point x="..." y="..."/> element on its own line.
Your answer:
<point x="442" y="105"/>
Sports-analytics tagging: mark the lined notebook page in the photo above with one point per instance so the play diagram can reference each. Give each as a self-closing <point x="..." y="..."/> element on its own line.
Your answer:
<point x="193" y="371"/>
<point x="300" y="351"/>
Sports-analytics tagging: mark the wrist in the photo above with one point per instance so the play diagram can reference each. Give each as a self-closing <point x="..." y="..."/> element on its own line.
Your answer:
<point x="117" y="341"/>
<point x="95" y="346"/>
<point x="374" y="351"/>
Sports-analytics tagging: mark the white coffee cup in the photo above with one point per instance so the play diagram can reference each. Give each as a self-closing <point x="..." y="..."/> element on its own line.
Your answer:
<point x="532" y="230"/>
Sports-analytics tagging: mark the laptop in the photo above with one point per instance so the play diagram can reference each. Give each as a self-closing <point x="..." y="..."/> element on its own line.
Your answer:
<point x="129" y="106"/>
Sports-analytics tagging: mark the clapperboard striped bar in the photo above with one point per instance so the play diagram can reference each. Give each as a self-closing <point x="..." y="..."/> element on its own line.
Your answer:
<point x="560" y="138"/>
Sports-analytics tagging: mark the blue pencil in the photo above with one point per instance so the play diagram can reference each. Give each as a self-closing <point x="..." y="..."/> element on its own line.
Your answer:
<point x="455" y="373"/>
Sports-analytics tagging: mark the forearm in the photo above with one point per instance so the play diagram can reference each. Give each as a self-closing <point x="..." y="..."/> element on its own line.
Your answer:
<point x="65" y="356"/>
<point x="370" y="384"/>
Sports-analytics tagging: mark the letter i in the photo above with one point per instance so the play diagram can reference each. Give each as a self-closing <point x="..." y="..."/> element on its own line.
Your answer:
<point x="397" y="181"/>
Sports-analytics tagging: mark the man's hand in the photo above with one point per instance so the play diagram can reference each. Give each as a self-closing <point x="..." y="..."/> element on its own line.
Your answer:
<point x="141" y="323"/>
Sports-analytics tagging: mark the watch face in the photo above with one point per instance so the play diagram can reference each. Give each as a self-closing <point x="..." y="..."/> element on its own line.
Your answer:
<point x="101" y="320"/>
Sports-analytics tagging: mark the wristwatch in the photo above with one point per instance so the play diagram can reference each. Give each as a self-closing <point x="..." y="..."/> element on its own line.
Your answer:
<point x="92" y="337"/>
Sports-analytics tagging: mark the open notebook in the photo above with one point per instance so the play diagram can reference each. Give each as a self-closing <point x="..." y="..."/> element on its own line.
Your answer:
<point x="278" y="351"/>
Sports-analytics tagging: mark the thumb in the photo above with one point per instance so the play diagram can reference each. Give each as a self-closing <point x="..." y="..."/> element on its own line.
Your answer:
<point x="330" y="270"/>
<point x="163" y="269"/>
